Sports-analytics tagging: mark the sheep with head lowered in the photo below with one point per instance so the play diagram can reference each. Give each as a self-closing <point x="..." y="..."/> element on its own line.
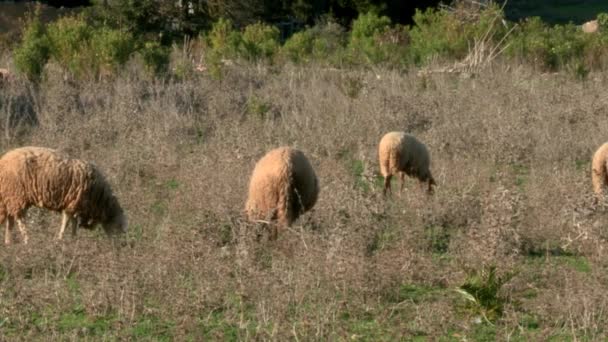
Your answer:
<point x="401" y="153"/>
<point x="599" y="165"/>
<point x="46" y="178"/>
<point x="283" y="186"/>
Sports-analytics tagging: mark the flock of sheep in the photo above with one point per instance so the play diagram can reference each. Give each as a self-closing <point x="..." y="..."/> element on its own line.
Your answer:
<point x="283" y="185"/>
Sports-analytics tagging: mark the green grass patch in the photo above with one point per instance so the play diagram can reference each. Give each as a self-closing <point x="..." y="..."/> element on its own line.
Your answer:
<point x="152" y="327"/>
<point x="582" y="164"/>
<point x="159" y="208"/>
<point x="216" y="327"/>
<point x="77" y="319"/>
<point x="418" y="293"/>
<point x="172" y="184"/>
<point x="437" y="239"/>
<point x="578" y="263"/>
<point x="357" y="167"/>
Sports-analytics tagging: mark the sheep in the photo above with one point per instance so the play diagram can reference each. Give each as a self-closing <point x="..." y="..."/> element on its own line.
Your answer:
<point x="401" y="153"/>
<point x="283" y="186"/>
<point x="599" y="174"/>
<point x="46" y="178"/>
<point x="591" y="26"/>
<point x="5" y="75"/>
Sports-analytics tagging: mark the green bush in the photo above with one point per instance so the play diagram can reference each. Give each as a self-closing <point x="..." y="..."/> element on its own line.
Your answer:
<point x="436" y="33"/>
<point x="87" y="51"/>
<point x="363" y="38"/>
<point x="298" y="48"/>
<point x="260" y="41"/>
<point x="112" y="48"/>
<point x="32" y="53"/>
<point x="482" y="292"/>
<point x="69" y="44"/>
<point x="155" y="57"/>
<point x="602" y="21"/>
<point x="448" y="35"/>
<point x="223" y="40"/>
<point x="323" y="42"/>
<point x="330" y="43"/>
<point x="550" y="48"/>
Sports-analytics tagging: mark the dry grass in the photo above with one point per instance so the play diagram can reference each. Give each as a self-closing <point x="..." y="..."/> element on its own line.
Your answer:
<point x="510" y="151"/>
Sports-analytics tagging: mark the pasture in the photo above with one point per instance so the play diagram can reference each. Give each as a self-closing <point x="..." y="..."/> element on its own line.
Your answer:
<point x="511" y="245"/>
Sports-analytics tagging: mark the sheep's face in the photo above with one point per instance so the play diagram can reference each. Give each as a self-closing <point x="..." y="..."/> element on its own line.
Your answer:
<point x="116" y="225"/>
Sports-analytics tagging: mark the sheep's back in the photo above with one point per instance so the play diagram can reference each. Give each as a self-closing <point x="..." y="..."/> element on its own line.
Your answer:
<point x="42" y="177"/>
<point x="389" y="152"/>
<point x="268" y="180"/>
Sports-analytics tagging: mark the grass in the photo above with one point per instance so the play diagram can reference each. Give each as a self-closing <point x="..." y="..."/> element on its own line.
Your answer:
<point x="513" y="185"/>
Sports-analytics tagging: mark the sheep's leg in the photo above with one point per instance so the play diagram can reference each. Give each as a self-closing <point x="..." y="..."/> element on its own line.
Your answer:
<point x="8" y="231"/>
<point x="274" y="232"/>
<point x="387" y="184"/>
<point x="22" y="229"/>
<point x="402" y="177"/>
<point x="65" y="218"/>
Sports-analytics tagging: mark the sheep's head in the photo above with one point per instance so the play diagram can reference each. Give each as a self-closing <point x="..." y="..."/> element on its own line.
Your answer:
<point x="116" y="225"/>
<point x="116" y="222"/>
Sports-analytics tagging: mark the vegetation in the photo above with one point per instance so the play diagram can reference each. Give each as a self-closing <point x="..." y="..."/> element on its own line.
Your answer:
<point x="176" y="125"/>
<point x="467" y="36"/>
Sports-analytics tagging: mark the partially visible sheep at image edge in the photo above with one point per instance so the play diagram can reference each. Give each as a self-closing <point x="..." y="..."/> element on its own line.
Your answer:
<point x="401" y="153"/>
<point x="46" y="178"/>
<point x="283" y="186"/>
<point x="599" y="174"/>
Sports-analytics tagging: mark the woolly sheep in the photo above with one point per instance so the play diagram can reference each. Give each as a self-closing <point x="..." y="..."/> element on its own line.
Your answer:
<point x="591" y="26"/>
<point x="46" y="178"/>
<point x="599" y="175"/>
<point x="283" y="186"/>
<point x="402" y="154"/>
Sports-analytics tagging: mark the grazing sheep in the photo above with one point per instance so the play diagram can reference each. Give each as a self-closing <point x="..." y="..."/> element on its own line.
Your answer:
<point x="45" y="178"/>
<point x="402" y="154"/>
<point x="599" y="175"/>
<point x="591" y="26"/>
<point x="5" y="75"/>
<point x="283" y="186"/>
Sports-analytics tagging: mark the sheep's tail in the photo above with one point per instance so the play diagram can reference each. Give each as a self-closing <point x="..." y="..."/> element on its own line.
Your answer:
<point x="598" y="173"/>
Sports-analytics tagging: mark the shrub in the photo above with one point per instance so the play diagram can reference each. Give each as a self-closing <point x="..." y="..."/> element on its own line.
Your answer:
<point x="366" y="28"/>
<point x="298" y="48"/>
<point x="260" y="41"/>
<point x="85" y="50"/>
<point x="451" y="34"/>
<point x="481" y="290"/>
<point x="155" y="57"/>
<point x="69" y="43"/>
<point x="330" y="42"/>
<point x="32" y="53"/>
<point x="436" y="33"/>
<point x="112" y="48"/>
<point x="548" y="47"/>
<point x="323" y="42"/>
<point x="223" y="40"/>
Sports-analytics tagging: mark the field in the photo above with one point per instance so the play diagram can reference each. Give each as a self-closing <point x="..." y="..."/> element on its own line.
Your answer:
<point x="512" y="220"/>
